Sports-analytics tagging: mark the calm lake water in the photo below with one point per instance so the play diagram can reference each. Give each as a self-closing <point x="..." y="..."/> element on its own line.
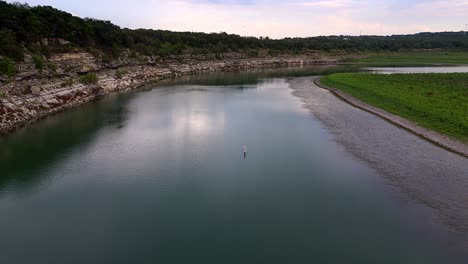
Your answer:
<point x="159" y="175"/>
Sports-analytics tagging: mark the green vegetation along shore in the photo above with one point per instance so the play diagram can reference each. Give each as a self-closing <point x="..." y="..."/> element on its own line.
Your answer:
<point x="438" y="101"/>
<point x="413" y="58"/>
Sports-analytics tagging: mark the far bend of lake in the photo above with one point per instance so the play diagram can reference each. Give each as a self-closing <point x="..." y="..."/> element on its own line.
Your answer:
<point x="427" y="69"/>
<point x="159" y="175"/>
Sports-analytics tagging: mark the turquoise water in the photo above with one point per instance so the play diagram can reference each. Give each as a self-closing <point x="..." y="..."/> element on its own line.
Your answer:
<point x="159" y="175"/>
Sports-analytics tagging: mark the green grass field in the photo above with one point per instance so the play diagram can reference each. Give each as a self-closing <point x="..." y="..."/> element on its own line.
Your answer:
<point x="413" y="58"/>
<point x="438" y="101"/>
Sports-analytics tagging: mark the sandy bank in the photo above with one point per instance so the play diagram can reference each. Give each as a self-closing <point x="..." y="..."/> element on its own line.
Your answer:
<point x="434" y="137"/>
<point x="427" y="173"/>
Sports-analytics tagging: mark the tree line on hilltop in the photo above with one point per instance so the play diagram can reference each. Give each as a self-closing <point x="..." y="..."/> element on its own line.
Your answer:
<point x="23" y="27"/>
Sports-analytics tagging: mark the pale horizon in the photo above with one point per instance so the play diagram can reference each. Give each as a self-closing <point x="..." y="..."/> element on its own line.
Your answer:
<point x="275" y="19"/>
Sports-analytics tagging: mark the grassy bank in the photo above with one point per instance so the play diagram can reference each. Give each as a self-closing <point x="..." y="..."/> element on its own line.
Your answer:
<point x="438" y="101"/>
<point x="413" y="58"/>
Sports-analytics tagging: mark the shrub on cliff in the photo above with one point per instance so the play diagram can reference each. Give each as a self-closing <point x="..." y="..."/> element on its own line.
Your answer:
<point x="38" y="62"/>
<point x="273" y="52"/>
<point x="68" y="82"/>
<point x="2" y="94"/>
<point x="89" y="78"/>
<point x="120" y="73"/>
<point x="7" y="66"/>
<point x="52" y="66"/>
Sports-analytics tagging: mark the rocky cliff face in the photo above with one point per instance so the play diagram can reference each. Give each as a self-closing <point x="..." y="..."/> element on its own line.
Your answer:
<point x="80" y="62"/>
<point x="36" y="93"/>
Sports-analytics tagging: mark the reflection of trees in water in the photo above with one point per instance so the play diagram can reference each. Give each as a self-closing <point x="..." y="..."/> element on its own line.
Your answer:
<point x="117" y="116"/>
<point x="25" y="152"/>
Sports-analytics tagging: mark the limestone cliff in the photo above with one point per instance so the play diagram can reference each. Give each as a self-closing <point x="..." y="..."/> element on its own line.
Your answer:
<point x="35" y="93"/>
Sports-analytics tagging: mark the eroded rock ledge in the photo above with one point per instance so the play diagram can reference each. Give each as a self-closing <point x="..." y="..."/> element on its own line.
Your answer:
<point x="35" y="94"/>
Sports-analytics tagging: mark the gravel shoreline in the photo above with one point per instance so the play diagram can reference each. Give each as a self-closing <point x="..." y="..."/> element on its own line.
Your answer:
<point x="434" y="137"/>
<point x="426" y="173"/>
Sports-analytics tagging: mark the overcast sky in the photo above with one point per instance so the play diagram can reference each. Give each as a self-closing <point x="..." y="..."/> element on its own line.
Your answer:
<point x="276" y="18"/>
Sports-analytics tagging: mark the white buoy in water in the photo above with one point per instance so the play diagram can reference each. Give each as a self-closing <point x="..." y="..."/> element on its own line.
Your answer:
<point x="245" y="151"/>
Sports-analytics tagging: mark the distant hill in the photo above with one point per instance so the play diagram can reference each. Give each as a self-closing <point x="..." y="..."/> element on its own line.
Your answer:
<point x="25" y="28"/>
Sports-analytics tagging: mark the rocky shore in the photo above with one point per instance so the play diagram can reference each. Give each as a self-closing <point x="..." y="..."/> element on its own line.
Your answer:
<point x="34" y="93"/>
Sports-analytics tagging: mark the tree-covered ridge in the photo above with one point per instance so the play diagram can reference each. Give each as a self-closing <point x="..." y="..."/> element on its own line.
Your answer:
<point x="23" y="26"/>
